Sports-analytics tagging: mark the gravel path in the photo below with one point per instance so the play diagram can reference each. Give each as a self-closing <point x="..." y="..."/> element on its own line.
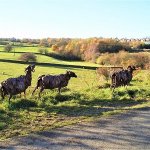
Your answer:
<point x="129" y="131"/>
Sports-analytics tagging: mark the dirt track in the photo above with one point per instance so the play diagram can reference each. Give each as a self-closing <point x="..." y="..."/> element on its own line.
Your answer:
<point x="129" y="131"/>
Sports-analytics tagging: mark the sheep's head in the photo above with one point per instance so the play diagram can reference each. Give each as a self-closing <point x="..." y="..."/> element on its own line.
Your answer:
<point x="30" y="68"/>
<point x="131" y="68"/>
<point x="134" y="68"/>
<point x="71" y="74"/>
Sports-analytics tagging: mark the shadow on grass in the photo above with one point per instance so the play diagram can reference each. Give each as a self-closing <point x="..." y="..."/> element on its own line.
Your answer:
<point x="80" y="105"/>
<point x="73" y="106"/>
<point x="22" y="104"/>
<point x="7" y="119"/>
<point x="49" y="64"/>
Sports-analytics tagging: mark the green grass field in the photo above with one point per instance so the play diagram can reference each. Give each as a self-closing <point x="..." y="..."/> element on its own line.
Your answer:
<point x="17" y="51"/>
<point x="82" y="100"/>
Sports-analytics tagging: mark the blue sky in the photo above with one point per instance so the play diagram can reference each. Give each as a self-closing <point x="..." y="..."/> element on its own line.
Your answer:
<point x="74" y="18"/>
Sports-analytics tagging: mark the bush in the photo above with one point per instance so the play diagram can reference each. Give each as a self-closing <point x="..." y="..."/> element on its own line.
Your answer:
<point x="8" y="48"/>
<point x="28" y="57"/>
<point x="125" y="59"/>
<point x="43" y="51"/>
<point x="64" y="56"/>
<point x="142" y="59"/>
<point x="104" y="72"/>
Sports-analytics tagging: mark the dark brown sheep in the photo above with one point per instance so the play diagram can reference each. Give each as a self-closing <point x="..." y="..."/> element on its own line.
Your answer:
<point x="14" y="86"/>
<point x="129" y="73"/>
<point x="122" y="77"/>
<point x="54" y="81"/>
<point x="116" y="78"/>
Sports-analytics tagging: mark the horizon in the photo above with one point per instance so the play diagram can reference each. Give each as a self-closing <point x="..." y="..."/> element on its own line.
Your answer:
<point x="73" y="38"/>
<point x="74" y="19"/>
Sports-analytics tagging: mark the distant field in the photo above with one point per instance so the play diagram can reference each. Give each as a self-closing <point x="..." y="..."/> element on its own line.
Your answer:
<point x="82" y="100"/>
<point x="40" y="58"/>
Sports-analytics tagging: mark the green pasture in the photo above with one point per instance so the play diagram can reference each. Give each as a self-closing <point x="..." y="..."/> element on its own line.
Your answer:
<point x="17" y="51"/>
<point x="86" y="97"/>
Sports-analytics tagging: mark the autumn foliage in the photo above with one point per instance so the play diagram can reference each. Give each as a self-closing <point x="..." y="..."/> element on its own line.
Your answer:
<point x="89" y="49"/>
<point x="141" y="59"/>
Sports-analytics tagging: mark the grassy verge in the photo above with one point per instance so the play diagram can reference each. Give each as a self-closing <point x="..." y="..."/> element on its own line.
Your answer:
<point x="26" y="116"/>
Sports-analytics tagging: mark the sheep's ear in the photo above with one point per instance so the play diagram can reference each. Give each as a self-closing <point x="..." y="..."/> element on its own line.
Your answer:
<point x="67" y="71"/>
<point x="133" y="67"/>
<point x="26" y="69"/>
<point x="129" y="67"/>
<point x="33" y="66"/>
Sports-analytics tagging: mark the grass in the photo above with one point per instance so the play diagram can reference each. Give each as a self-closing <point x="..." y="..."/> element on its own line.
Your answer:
<point x="81" y="100"/>
<point x="40" y="58"/>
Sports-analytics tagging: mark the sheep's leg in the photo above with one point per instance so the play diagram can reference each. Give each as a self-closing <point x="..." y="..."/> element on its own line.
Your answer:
<point x="24" y="94"/>
<point x="34" y="90"/>
<point x="39" y="84"/>
<point x="59" y="90"/>
<point x="126" y="87"/>
<point x="10" y="96"/>
<point x="2" y="95"/>
<point x="20" y="95"/>
<point x="41" y="90"/>
<point x="113" y="89"/>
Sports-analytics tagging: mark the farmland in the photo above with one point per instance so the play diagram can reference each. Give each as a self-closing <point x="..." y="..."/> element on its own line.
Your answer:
<point x="82" y="100"/>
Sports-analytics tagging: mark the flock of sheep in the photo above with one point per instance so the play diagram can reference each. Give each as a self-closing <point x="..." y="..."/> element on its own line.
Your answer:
<point x="14" y="86"/>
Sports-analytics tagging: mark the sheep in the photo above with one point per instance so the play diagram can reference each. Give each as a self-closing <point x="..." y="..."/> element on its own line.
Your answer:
<point x="54" y="81"/>
<point x="116" y="79"/>
<point x="14" y="86"/>
<point x="129" y="74"/>
<point x="122" y="77"/>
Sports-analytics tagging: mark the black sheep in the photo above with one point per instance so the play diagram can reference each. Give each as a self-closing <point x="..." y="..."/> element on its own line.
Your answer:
<point x="54" y="81"/>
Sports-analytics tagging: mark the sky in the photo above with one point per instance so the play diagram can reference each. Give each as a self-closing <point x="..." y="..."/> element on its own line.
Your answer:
<point x="74" y="18"/>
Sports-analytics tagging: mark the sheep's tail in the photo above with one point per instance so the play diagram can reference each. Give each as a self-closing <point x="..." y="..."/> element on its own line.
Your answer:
<point x="38" y="84"/>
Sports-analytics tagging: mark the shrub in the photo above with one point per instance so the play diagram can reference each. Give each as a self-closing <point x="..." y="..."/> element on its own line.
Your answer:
<point x="104" y="59"/>
<point x="8" y="48"/>
<point x="64" y="56"/>
<point x="43" y="51"/>
<point x="125" y="59"/>
<point x="28" y="57"/>
<point x="142" y="59"/>
<point x="104" y="72"/>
